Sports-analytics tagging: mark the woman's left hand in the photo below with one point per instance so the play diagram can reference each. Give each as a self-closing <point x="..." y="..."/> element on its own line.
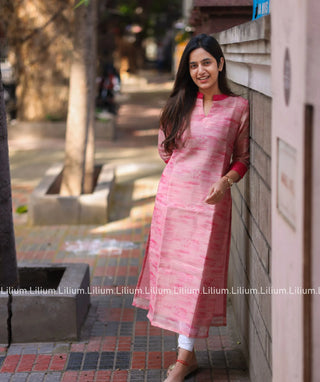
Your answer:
<point x="217" y="191"/>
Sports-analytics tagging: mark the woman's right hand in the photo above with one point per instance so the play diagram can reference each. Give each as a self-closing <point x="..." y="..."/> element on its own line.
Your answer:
<point x="217" y="191"/>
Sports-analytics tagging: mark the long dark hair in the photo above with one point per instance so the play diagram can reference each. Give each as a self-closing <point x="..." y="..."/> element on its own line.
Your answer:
<point x="175" y="116"/>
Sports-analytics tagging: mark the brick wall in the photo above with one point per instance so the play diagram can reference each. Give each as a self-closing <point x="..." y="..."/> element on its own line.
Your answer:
<point x="250" y="261"/>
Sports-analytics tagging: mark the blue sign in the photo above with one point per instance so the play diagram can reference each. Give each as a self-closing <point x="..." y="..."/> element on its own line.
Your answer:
<point x="260" y="8"/>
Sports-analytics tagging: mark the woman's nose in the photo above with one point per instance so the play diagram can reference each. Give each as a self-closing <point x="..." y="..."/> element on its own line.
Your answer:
<point x="200" y="68"/>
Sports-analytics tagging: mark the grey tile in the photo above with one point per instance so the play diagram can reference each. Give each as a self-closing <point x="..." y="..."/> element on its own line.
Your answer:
<point x="99" y="329"/>
<point x="108" y="281"/>
<point x="46" y="348"/>
<point x="15" y="349"/>
<point x="134" y="261"/>
<point x="137" y="375"/>
<point x="126" y="328"/>
<point x="120" y="280"/>
<point x="123" y="360"/>
<point x="140" y="343"/>
<point x="5" y="377"/>
<point x="19" y="377"/>
<point x="96" y="281"/>
<point x="37" y="377"/>
<point x="53" y="377"/>
<point x="30" y="349"/>
<point x="155" y="343"/>
<point x="112" y="261"/>
<point x="112" y="328"/>
<point x="123" y="261"/>
<point x="75" y="361"/>
<point x="128" y="300"/>
<point x="116" y="302"/>
<point x="154" y="376"/>
<point x="169" y="343"/>
<point x="90" y="361"/>
<point x="106" y="360"/>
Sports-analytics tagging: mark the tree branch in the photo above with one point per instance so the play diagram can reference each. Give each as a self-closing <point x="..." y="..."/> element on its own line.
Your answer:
<point x="37" y="30"/>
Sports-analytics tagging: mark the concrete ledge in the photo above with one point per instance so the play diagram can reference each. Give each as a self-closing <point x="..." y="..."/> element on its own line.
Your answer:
<point x="53" y="209"/>
<point x="47" y="312"/>
<point x="254" y="30"/>
<point x="247" y="52"/>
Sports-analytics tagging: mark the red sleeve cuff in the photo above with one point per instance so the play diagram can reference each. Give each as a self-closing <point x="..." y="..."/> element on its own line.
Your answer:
<point x="240" y="168"/>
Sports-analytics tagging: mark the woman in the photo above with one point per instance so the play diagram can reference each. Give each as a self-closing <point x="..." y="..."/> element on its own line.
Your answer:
<point x="204" y="139"/>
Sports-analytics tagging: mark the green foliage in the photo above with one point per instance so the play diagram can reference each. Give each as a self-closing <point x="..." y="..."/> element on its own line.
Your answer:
<point x="22" y="209"/>
<point x="54" y="118"/>
<point x="85" y="2"/>
<point x="127" y="7"/>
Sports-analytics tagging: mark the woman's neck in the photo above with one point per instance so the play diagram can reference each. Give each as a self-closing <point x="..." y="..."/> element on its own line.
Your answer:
<point x="208" y="96"/>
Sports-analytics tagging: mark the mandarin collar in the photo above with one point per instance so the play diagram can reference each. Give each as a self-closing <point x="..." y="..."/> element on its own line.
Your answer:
<point x="216" y="97"/>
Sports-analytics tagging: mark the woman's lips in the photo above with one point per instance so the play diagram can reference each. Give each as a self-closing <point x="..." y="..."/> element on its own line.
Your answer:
<point x="203" y="78"/>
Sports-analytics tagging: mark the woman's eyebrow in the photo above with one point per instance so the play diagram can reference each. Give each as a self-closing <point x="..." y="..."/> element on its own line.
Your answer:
<point x="205" y="59"/>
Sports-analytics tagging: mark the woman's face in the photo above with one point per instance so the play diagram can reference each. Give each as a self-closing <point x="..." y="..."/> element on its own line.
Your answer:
<point x="204" y="71"/>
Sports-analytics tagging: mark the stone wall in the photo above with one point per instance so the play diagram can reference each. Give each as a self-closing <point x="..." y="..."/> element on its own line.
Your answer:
<point x="247" y="51"/>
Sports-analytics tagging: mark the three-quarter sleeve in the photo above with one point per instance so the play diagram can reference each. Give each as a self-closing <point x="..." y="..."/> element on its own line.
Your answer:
<point x="241" y="155"/>
<point x="163" y="154"/>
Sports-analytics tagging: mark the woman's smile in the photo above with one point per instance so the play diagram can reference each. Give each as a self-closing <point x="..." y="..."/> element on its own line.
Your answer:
<point x="203" y="78"/>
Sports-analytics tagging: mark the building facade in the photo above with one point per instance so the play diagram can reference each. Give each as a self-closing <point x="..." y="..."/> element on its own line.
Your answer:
<point x="211" y="16"/>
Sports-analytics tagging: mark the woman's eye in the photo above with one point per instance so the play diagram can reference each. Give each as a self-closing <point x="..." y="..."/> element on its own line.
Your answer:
<point x="206" y="63"/>
<point x="193" y="66"/>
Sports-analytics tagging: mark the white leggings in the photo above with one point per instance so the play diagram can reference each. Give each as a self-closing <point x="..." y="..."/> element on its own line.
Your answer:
<point x="186" y="343"/>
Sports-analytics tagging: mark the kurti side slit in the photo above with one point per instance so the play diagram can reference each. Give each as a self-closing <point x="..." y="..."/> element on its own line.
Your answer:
<point x="183" y="279"/>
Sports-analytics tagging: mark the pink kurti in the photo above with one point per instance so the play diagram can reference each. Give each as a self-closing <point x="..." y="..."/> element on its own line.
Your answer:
<point x="184" y="275"/>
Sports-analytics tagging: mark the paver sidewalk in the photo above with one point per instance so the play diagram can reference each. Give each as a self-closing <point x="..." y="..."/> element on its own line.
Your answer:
<point x="117" y="342"/>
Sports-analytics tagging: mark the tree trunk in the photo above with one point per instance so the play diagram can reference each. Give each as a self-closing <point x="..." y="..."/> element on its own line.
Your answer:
<point x="81" y="107"/>
<point x="92" y="61"/>
<point x="8" y="261"/>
